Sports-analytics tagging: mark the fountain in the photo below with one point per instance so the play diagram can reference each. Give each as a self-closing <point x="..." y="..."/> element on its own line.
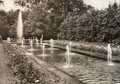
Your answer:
<point x="51" y="43"/>
<point x="19" y="28"/>
<point x="31" y="45"/>
<point x="41" y="39"/>
<point x="70" y="44"/>
<point x="8" y="40"/>
<point x="51" y="46"/>
<point x="37" y="42"/>
<point x="109" y="55"/>
<point x="43" y="48"/>
<point x="68" y="58"/>
<point x="22" y="44"/>
<point x="70" y="47"/>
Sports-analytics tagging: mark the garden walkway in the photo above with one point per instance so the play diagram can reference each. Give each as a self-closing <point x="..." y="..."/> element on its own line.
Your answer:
<point x="6" y="76"/>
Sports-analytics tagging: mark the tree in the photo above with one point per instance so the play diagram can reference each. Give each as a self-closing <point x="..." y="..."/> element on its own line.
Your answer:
<point x="93" y="25"/>
<point x="4" y="27"/>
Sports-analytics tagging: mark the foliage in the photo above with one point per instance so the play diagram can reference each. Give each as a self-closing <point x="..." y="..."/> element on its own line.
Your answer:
<point x="46" y="20"/>
<point x="94" y="25"/>
<point x="30" y="4"/>
<point x="3" y="21"/>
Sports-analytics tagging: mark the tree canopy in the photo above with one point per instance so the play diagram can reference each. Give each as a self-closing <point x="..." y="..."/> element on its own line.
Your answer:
<point x="68" y="19"/>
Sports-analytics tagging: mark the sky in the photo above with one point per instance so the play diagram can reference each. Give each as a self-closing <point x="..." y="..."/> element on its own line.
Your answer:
<point x="98" y="4"/>
<point x="8" y="5"/>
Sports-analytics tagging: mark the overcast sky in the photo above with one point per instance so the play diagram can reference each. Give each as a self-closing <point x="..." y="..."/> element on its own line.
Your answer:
<point x="8" y="5"/>
<point x="98" y="4"/>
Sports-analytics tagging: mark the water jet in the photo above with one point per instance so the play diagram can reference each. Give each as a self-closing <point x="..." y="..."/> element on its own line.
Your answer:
<point x="68" y="58"/>
<point x="19" y="28"/>
<point x="109" y="55"/>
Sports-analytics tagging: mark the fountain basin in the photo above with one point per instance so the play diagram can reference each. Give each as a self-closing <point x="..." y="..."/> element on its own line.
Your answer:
<point x="86" y="69"/>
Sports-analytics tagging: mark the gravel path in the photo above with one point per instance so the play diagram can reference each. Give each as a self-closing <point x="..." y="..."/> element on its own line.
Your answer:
<point x="6" y="77"/>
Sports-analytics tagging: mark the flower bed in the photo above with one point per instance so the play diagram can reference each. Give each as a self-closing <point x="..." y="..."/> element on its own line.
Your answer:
<point x="24" y="70"/>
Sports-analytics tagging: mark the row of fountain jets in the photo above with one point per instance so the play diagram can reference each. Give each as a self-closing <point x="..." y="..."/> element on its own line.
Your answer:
<point x="68" y="56"/>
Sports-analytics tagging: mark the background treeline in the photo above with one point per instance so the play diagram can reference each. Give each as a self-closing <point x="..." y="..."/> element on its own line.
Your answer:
<point x="65" y="19"/>
<point x="93" y="25"/>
